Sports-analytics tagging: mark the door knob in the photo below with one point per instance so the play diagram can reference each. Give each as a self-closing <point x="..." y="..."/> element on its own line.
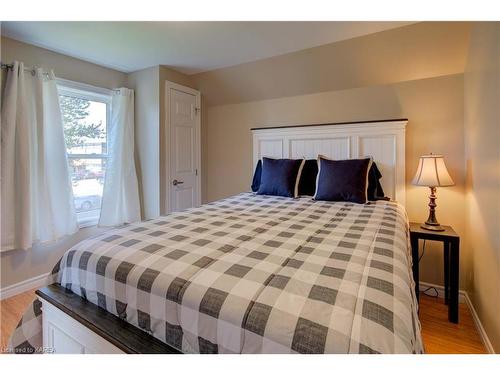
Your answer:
<point x="175" y="182"/>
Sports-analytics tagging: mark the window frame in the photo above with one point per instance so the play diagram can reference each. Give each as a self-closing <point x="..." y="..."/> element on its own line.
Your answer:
<point x="95" y="94"/>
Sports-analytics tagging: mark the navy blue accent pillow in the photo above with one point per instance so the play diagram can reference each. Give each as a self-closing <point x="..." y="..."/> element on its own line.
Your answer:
<point x="307" y="183"/>
<point x="343" y="180"/>
<point x="256" y="176"/>
<point x="375" y="191"/>
<point x="280" y="177"/>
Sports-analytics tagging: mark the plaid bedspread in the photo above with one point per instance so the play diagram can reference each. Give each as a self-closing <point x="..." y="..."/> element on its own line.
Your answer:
<point x="253" y="274"/>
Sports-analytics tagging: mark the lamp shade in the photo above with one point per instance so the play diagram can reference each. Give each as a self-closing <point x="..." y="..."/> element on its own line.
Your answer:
<point x="432" y="172"/>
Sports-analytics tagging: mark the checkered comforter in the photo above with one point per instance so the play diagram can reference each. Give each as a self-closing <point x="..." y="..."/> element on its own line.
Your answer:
<point x="253" y="274"/>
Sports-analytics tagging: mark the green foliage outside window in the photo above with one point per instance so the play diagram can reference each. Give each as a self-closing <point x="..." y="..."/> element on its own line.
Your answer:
<point x="74" y="110"/>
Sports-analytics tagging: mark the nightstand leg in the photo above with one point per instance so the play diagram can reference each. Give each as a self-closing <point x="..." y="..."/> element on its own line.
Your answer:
<point x="414" y="253"/>
<point x="454" y="279"/>
<point x="446" y="246"/>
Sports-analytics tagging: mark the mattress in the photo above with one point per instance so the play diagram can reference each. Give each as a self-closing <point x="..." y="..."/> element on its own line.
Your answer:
<point x="253" y="274"/>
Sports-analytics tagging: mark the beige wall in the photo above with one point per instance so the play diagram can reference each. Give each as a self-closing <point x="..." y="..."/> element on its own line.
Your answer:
<point x="146" y="84"/>
<point x="64" y="66"/>
<point x="151" y="151"/>
<point x="415" y="71"/>
<point x="417" y="51"/>
<point x="20" y="265"/>
<point x="482" y="151"/>
<point x="435" y="110"/>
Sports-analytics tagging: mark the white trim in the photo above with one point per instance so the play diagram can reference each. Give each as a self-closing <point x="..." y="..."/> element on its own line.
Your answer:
<point x="440" y="289"/>
<point x="306" y="129"/>
<point x="98" y="94"/>
<point x="463" y="297"/>
<point x="88" y="156"/>
<point x="24" y="286"/>
<point x="78" y="86"/>
<point x="86" y="223"/>
<point x="168" y="86"/>
<point x="479" y="325"/>
<point x="87" y="92"/>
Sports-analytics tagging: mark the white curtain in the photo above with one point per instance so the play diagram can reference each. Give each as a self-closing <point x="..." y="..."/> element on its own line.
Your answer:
<point x="120" y="200"/>
<point x="36" y="196"/>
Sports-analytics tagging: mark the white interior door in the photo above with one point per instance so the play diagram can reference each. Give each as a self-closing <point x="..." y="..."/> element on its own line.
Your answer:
<point x="184" y="129"/>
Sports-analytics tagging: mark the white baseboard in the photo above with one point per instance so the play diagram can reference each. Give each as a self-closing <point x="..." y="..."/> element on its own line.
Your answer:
<point x="463" y="297"/>
<point x="23" y="286"/>
<point x="440" y="289"/>
<point x="479" y="325"/>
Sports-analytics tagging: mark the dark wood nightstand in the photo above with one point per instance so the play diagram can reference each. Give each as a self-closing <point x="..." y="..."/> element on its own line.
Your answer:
<point x="451" y="245"/>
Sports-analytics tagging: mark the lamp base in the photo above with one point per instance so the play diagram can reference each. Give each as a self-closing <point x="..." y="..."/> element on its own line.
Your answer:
<point x="433" y="227"/>
<point x="431" y="223"/>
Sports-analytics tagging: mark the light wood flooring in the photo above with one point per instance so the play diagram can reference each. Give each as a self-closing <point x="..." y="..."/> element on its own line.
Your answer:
<point x="11" y="310"/>
<point x="443" y="337"/>
<point x="439" y="335"/>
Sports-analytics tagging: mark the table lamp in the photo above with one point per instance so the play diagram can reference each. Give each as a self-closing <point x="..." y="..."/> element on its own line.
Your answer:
<point x="432" y="172"/>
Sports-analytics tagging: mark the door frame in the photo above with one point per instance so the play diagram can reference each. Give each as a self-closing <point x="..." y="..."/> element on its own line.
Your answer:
<point x="168" y="178"/>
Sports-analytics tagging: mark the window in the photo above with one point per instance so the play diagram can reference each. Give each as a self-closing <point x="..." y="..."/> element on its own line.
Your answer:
<point x="86" y="114"/>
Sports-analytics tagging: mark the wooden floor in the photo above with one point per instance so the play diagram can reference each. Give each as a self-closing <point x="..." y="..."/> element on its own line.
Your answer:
<point x="439" y="335"/>
<point x="11" y="310"/>
<point x="443" y="337"/>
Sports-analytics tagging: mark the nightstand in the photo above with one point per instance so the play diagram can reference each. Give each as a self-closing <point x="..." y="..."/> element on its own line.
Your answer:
<point x="451" y="244"/>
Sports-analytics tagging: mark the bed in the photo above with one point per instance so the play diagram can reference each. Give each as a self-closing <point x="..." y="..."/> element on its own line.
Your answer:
<point x="255" y="273"/>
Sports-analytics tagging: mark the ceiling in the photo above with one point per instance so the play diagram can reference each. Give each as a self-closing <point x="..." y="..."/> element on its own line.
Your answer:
<point x="189" y="47"/>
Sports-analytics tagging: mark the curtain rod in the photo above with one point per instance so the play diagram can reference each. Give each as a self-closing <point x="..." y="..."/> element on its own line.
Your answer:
<point x="31" y="70"/>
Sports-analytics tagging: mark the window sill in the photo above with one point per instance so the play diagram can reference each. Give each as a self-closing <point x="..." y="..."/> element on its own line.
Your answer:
<point x="88" y="218"/>
<point x="87" y="223"/>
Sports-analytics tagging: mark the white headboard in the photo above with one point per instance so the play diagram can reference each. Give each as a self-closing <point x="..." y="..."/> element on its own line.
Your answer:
<point x="383" y="140"/>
